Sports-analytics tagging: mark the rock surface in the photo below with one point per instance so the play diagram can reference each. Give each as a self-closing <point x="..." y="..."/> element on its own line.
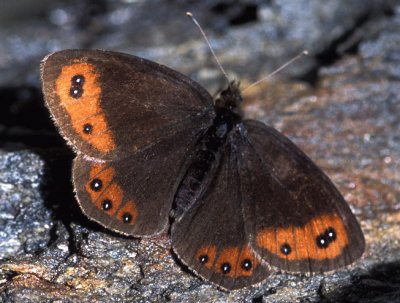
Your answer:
<point x="343" y="111"/>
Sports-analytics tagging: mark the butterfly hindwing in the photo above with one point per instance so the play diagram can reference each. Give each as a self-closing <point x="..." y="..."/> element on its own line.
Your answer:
<point x="297" y="219"/>
<point x="211" y="238"/>
<point x="132" y="195"/>
<point x="109" y="105"/>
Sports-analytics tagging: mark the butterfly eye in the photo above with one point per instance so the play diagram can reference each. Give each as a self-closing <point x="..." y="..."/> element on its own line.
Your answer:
<point x="246" y="264"/>
<point x="96" y="184"/>
<point x="286" y="249"/>
<point x="225" y="268"/>
<point x="107" y="204"/>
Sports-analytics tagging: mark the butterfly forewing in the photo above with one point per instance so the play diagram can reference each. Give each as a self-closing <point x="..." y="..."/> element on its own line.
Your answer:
<point x="297" y="219"/>
<point x="109" y="105"/>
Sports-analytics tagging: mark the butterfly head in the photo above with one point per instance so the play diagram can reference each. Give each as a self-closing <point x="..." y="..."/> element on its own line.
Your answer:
<point x="230" y="98"/>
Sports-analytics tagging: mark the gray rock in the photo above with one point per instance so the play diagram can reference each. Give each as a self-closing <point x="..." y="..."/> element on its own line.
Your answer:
<point x="25" y="222"/>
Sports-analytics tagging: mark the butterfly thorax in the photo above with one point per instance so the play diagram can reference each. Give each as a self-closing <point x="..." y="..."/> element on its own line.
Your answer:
<point x="205" y="159"/>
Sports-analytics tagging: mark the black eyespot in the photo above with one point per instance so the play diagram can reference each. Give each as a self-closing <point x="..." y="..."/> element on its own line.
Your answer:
<point x="286" y="249"/>
<point x="330" y="234"/>
<point x="225" y="268"/>
<point x="96" y="184"/>
<point x="76" y="89"/>
<point x="78" y="80"/>
<point x="323" y="241"/>
<point x="246" y="265"/>
<point x="76" y="92"/>
<point x="106" y="204"/>
<point x="87" y="128"/>
<point x="203" y="259"/>
<point x="126" y="217"/>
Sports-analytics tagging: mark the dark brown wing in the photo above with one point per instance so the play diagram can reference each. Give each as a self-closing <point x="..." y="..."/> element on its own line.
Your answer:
<point x="133" y="123"/>
<point x="297" y="218"/>
<point x="109" y="105"/>
<point x="133" y="195"/>
<point x="211" y="238"/>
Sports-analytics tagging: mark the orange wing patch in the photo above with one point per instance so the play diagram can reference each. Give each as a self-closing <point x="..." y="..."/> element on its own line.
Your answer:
<point x="206" y="255"/>
<point x="247" y="263"/>
<point x="108" y="195"/>
<point x="232" y="261"/>
<point x="128" y="213"/>
<point x="79" y="91"/>
<point x="226" y="261"/>
<point x="321" y="238"/>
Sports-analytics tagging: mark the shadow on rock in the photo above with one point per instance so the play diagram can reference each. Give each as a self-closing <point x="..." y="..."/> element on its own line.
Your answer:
<point x="381" y="284"/>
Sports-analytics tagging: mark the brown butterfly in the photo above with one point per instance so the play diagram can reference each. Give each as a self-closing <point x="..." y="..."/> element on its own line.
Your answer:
<point x="153" y="147"/>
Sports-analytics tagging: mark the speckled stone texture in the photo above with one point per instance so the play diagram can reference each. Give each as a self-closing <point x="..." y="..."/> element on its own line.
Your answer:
<point x="341" y="105"/>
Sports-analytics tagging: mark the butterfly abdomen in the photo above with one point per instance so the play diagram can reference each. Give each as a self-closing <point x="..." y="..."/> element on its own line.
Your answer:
<point x="206" y="157"/>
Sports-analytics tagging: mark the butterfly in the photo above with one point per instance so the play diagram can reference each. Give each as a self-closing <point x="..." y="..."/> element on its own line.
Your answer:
<point x="155" y="153"/>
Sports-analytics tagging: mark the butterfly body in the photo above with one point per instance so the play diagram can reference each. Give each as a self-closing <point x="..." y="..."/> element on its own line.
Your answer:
<point x="156" y="153"/>
<point x="207" y="151"/>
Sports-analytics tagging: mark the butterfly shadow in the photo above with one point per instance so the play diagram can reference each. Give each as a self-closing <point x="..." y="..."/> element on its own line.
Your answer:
<point x="58" y="194"/>
<point x="380" y="284"/>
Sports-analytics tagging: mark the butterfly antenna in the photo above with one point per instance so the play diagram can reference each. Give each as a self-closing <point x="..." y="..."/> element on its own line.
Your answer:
<point x="302" y="54"/>
<point x="189" y="14"/>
